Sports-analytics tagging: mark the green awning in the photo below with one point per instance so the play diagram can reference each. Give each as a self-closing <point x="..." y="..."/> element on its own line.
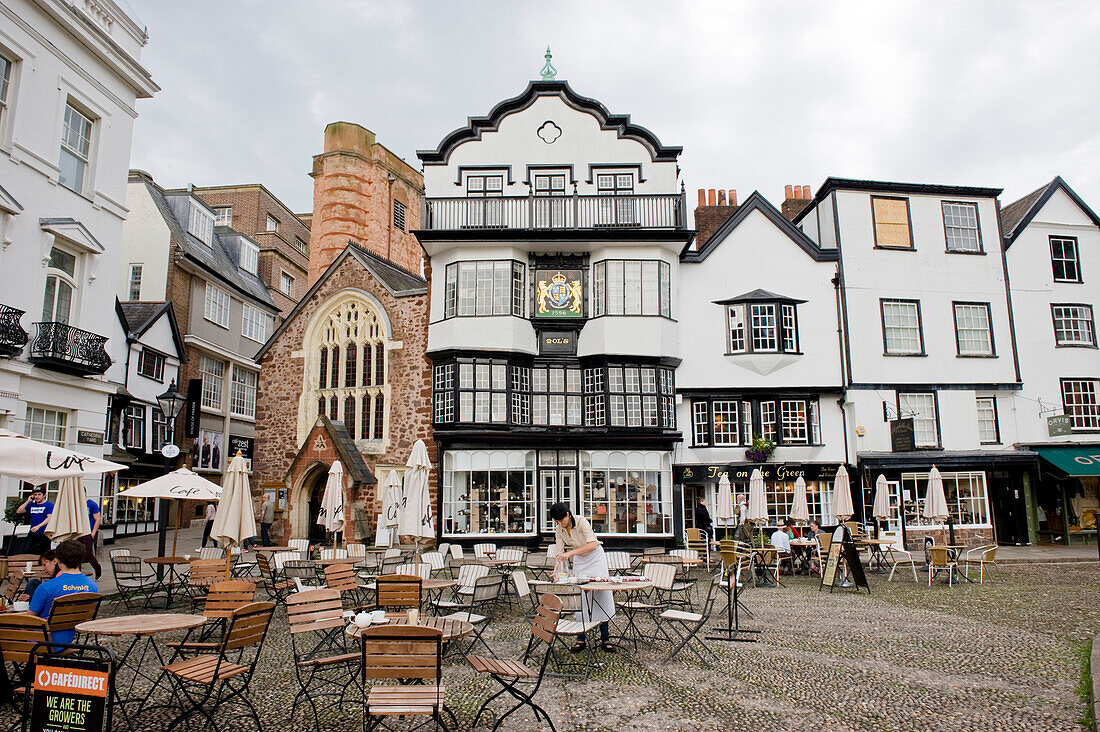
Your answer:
<point x="1077" y="460"/>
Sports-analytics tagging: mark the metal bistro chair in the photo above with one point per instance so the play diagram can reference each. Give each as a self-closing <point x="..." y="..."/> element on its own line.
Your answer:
<point x="697" y="541"/>
<point x="276" y="585"/>
<point x="940" y="559"/>
<point x="484" y="551"/>
<point x="685" y="627"/>
<point x="517" y="678"/>
<point x="211" y="552"/>
<point x="216" y="679"/>
<point x="303" y="573"/>
<point x="421" y="570"/>
<point x="323" y="665"/>
<point x="476" y="609"/>
<point x="899" y="558"/>
<point x="299" y="545"/>
<point x="401" y="654"/>
<point x="982" y="556"/>
<point x="618" y="562"/>
<point x="131" y="581"/>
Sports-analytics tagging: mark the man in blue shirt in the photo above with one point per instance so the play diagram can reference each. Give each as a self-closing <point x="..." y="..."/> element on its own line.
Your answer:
<point x="39" y="510"/>
<point x="69" y="581"/>
<point x="88" y="540"/>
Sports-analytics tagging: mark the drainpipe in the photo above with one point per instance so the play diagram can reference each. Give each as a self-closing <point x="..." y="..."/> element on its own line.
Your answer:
<point x="389" y="218"/>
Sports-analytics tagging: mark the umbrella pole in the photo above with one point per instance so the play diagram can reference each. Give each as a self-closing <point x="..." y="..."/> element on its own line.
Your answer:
<point x="176" y="534"/>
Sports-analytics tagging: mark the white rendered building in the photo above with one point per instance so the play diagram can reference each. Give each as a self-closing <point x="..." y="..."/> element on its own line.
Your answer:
<point x="1052" y="246"/>
<point x="554" y="230"/>
<point x="70" y="78"/>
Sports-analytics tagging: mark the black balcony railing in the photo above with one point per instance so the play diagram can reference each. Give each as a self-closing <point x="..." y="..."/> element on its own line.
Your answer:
<point x="652" y="211"/>
<point x="12" y="335"/>
<point x="65" y="348"/>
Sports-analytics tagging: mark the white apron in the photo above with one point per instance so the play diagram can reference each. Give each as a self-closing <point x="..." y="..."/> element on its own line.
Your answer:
<point x="598" y="605"/>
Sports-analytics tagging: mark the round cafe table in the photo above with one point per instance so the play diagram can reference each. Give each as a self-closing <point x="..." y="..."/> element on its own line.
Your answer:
<point x="144" y="628"/>
<point x="451" y="629"/>
<point x="631" y="633"/>
<point x="166" y="579"/>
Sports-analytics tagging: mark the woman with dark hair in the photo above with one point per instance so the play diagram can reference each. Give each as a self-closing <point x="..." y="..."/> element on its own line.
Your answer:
<point x="576" y="541"/>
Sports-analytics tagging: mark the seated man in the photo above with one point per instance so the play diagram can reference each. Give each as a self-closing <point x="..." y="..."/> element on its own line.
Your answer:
<point x="68" y="581"/>
<point x="47" y="569"/>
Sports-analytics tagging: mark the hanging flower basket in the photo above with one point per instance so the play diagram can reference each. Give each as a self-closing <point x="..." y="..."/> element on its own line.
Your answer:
<point x="761" y="450"/>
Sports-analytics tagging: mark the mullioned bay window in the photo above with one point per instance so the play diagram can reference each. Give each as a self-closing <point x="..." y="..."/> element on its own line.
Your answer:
<point x="631" y="287"/>
<point x="733" y="421"/>
<point x="761" y="322"/>
<point x="484" y="288"/>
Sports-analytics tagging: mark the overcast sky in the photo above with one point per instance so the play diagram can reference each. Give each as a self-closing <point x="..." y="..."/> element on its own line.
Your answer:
<point x="759" y="94"/>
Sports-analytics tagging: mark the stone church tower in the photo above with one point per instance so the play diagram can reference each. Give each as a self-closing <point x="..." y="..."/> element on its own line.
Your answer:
<point x="345" y="376"/>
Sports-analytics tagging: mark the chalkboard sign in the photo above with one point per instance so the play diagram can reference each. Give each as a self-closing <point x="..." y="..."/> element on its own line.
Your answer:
<point x="70" y="695"/>
<point x="902" y="438"/>
<point x="842" y="547"/>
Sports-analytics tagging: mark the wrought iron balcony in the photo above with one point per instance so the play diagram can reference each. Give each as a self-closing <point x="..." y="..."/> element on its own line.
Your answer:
<point x="652" y="211"/>
<point x="12" y="335"/>
<point x="62" y="347"/>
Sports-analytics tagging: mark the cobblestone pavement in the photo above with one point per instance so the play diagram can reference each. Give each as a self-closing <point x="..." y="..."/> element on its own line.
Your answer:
<point x="1005" y="655"/>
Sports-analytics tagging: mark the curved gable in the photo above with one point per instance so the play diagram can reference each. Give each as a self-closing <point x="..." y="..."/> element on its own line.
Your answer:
<point x="620" y="123"/>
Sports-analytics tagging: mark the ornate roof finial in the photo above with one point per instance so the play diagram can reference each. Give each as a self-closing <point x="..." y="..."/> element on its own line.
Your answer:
<point x="548" y="71"/>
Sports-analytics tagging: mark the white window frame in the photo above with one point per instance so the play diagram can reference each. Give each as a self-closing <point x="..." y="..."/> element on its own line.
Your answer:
<point x="735" y="329"/>
<point x="223" y="216"/>
<point x="249" y="257"/>
<point x="61" y="276"/>
<point x="1065" y="259"/>
<point x="272" y="223"/>
<point x="200" y="222"/>
<point x="631" y="287"/>
<point x="1073" y="325"/>
<point x="891" y="310"/>
<point x="216" y="306"/>
<point x="726" y="420"/>
<point x="54" y="431"/>
<point x="961" y="227"/>
<point x="6" y="76"/>
<point x="922" y="408"/>
<point x="77" y="130"/>
<point x="483" y="288"/>
<point x="1081" y="402"/>
<point x="989" y="431"/>
<point x="212" y="372"/>
<point x="135" y="281"/>
<point x="253" y="323"/>
<point x="134" y="423"/>
<point x="242" y="398"/>
<point x="972" y="336"/>
<point x="795" y="419"/>
<point x="977" y="496"/>
<point x="286" y="284"/>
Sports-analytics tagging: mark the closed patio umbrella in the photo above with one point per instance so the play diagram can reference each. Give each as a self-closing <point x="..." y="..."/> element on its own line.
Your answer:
<point x="69" y="519"/>
<point x="881" y="510"/>
<point x="935" y="502"/>
<point x="178" y="484"/>
<point x="36" y="462"/>
<point x="331" y="515"/>
<point x="723" y="511"/>
<point x="758" y="502"/>
<point x="416" y="519"/>
<point x="236" y="518"/>
<point x="842" y="495"/>
<point x="391" y="508"/>
<point x="800" y="511"/>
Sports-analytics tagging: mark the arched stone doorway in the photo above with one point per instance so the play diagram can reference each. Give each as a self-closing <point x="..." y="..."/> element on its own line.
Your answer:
<point x="306" y="500"/>
<point x="316" y="491"/>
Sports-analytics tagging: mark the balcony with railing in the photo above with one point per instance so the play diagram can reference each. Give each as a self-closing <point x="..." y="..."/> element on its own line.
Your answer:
<point x="61" y="347"/>
<point x="12" y="335"/>
<point x="576" y="212"/>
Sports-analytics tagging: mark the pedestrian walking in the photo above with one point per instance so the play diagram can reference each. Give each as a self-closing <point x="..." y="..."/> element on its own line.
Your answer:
<point x="95" y="518"/>
<point x="211" y="514"/>
<point x="267" y="517"/>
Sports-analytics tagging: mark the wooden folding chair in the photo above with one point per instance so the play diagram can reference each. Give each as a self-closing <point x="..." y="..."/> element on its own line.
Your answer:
<point x="19" y="634"/>
<point x="202" y="574"/>
<point x="343" y="579"/>
<point x="566" y="630"/>
<point x="204" y="683"/>
<point x="398" y="591"/>
<point x="68" y="611"/>
<point x="403" y="653"/>
<point x="515" y="676"/>
<point x="323" y="665"/>
<point x="221" y="601"/>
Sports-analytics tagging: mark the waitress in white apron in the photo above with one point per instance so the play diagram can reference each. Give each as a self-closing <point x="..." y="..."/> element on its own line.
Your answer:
<point x="576" y="541"/>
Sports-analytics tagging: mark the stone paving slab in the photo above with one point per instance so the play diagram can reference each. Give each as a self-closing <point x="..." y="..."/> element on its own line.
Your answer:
<point x="1005" y="655"/>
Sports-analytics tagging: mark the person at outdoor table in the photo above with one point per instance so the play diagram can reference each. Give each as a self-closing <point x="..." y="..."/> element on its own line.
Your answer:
<point x="68" y="581"/>
<point x="95" y="517"/>
<point x="576" y="541"/>
<point x="781" y="539"/>
<point x="813" y="530"/>
<point x="702" y="517"/>
<point x="39" y="510"/>
<point x="210" y="514"/>
<point x="47" y="568"/>
<point x="742" y="508"/>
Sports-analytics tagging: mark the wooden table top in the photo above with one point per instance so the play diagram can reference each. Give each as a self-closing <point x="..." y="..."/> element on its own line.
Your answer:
<point x="437" y="583"/>
<point x="610" y="585"/>
<point x="141" y="625"/>
<point x="683" y="560"/>
<point x="452" y="629"/>
<point x="167" y="560"/>
<point x="339" y="560"/>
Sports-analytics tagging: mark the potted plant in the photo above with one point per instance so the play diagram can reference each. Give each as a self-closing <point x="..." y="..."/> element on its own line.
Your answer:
<point x="762" y="449"/>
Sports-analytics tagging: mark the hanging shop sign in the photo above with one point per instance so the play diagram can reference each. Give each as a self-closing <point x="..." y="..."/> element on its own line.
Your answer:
<point x="559" y="293"/>
<point x="245" y="445"/>
<point x="776" y="472"/>
<point x="902" y="438"/>
<point x="193" y="408"/>
<point x="1059" y="424"/>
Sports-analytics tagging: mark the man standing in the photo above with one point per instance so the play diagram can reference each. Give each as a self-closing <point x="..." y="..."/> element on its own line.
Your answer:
<point x="39" y="510"/>
<point x="267" y="517"/>
<point x="211" y="514"/>
<point x="68" y="581"/>
<point x="702" y="517"/>
<point x="95" y="517"/>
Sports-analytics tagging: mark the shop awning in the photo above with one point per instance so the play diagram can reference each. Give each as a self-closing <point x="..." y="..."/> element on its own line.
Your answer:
<point x="1077" y="460"/>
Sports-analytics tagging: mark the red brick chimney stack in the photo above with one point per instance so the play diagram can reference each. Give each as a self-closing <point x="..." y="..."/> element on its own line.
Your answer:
<point x="796" y="198"/>
<point x="715" y="207"/>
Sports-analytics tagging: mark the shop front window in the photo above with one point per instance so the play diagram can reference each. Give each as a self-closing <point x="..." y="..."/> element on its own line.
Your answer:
<point x="967" y="498"/>
<point x="627" y="492"/>
<point x="488" y="492"/>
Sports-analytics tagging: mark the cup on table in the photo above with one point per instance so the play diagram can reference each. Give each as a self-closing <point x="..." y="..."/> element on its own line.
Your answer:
<point x="187" y="557"/>
<point x="21" y="606"/>
<point x="414" y="616"/>
<point x="29" y="568"/>
<point x="378" y="616"/>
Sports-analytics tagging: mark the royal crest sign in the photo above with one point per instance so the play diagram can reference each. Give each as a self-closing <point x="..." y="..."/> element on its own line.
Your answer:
<point x="559" y="293"/>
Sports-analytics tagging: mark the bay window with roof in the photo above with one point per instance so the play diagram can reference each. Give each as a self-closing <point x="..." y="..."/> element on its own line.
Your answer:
<point x="761" y="322"/>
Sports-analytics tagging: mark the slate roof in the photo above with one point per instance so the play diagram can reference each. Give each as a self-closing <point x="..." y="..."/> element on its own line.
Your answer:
<point x="138" y="314"/>
<point x="138" y="317"/>
<point x="758" y="295"/>
<point x="220" y="259"/>
<point x="346" y="451"/>
<point x="400" y="282"/>
<point x="1017" y="215"/>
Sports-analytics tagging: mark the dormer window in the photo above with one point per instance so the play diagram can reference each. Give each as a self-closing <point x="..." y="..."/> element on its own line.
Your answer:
<point x="761" y="322"/>
<point x="200" y="223"/>
<point x="249" y="258"/>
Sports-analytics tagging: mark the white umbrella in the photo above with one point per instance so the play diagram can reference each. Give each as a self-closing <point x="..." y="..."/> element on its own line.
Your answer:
<point x="391" y="508"/>
<point x="842" y="495"/>
<point x="69" y="519"/>
<point x="758" y="502"/>
<point x="723" y="511"/>
<point x="416" y="511"/>
<point x="36" y="462"/>
<point x="881" y="509"/>
<point x="935" y="502"/>
<point x="800" y="511"/>
<point x="331" y="515"/>
<point x="236" y="517"/>
<point x="178" y="484"/>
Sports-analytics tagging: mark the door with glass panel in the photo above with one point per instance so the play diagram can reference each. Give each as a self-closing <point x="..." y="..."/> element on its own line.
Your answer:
<point x="557" y="483"/>
<point x="57" y="301"/>
<point x="549" y="201"/>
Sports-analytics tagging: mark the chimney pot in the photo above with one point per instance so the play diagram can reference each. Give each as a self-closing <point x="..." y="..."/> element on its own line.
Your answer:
<point x="721" y="197"/>
<point x="702" y="197"/>
<point x="806" y="193"/>
<point x="711" y="198"/>
<point x="788" y="193"/>
<point x="733" y="197"/>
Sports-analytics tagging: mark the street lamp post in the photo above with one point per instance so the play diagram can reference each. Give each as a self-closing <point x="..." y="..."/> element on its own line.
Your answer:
<point x="171" y="404"/>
